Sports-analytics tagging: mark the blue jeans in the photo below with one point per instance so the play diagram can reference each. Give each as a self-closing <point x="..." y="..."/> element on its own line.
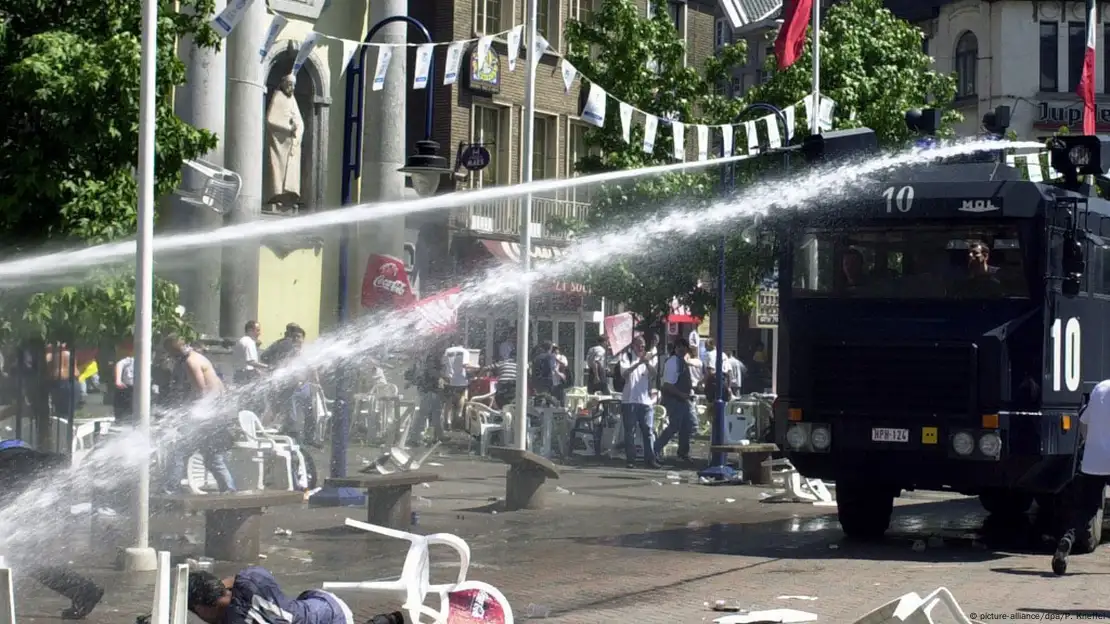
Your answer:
<point x="637" y="417"/>
<point x="214" y="461"/>
<point x="680" y="420"/>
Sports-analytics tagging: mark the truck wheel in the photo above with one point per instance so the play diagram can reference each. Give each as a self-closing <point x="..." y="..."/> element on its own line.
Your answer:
<point x="1089" y="539"/>
<point x="1006" y="502"/>
<point x="863" y="510"/>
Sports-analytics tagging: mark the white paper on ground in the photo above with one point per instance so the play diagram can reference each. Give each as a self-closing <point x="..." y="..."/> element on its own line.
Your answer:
<point x="782" y="616"/>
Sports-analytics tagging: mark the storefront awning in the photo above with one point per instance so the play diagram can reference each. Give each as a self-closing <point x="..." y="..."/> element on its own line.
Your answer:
<point x="509" y="253"/>
<point x="439" y="313"/>
<point x="681" y="314"/>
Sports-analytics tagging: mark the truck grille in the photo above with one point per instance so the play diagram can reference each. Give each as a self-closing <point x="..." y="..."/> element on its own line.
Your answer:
<point x="892" y="379"/>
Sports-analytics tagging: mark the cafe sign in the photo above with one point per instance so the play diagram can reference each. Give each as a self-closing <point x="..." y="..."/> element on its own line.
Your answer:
<point x="1052" y="115"/>
<point x="767" y="308"/>
<point x="485" y="77"/>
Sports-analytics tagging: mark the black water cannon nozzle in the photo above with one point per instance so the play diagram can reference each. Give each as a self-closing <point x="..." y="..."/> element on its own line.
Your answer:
<point x="839" y="144"/>
<point x="923" y="121"/>
<point x="997" y="121"/>
<point x="1074" y="155"/>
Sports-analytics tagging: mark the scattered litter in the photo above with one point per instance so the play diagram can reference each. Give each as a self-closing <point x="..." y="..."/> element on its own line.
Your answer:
<point x="935" y="541"/>
<point x="731" y="606"/>
<point x="192" y="538"/>
<point x="366" y="462"/>
<point x="918" y="546"/>
<point x="427" y="485"/>
<point x="730" y="500"/>
<point x="283" y="532"/>
<point x="782" y="616"/>
<point x="673" y="476"/>
<point x="796" y="598"/>
<point x="536" y="611"/>
<point x="561" y="490"/>
<point x="261" y="555"/>
<point x="493" y="512"/>
<point x="436" y="464"/>
<point x="81" y="508"/>
<point x="313" y="492"/>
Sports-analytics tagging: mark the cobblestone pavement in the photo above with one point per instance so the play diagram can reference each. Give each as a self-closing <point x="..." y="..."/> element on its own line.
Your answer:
<point x="619" y="545"/>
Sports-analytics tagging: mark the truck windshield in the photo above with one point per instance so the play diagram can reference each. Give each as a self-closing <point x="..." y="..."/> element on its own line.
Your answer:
<point x="916" y="261"/>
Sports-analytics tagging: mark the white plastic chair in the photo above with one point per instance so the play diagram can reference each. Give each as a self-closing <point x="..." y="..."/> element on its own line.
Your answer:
<point x="482" y="422"/>
<point x="282" y="446"/>
<point x="477" y="590"/>
<point x="913" y="609"/>
<point x="414" y="584"/>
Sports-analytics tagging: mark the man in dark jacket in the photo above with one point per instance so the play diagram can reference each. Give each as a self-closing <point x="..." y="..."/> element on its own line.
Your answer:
<point x="253" y="596"/>
<point x="20" y="467"/>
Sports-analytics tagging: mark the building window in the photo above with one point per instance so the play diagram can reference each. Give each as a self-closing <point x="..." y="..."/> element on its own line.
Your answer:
<point x="720" y="33"/>
<point x="487" y="131"/>
<point x="967" y="56"/>
<point x="579" y="149"/>
<point x="737" y="86"/>
<point x="543" y="18"/>
<point x="488" y="15"/>
<point x="1050" y="56"/>
<point x="584" y="10"/>
<point x="1077" y="48"/>
<point x="765" y="76"/>
<point x="543" y="146"/>
<point x="675" y="10"/>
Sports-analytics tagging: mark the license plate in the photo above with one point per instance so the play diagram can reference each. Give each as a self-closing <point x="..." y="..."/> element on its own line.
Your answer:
<point x="890" y="435"/>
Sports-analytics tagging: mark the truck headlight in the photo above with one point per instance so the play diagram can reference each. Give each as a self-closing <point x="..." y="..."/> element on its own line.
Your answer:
<point x="796" y="437"/>
<point x="963" y="443"/>
<point x="820" y="438"/>
<point x="990" y="445"/>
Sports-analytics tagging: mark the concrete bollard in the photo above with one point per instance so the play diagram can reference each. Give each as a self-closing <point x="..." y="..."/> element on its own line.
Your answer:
<point x="160" y="613"/>
<point x="181" y="595"/>
<point x="7" y="595"/>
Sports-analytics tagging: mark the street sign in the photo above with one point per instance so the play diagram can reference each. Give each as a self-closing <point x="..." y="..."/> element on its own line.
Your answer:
<point x="767" y="308"/>
<point x="475" y="157"/>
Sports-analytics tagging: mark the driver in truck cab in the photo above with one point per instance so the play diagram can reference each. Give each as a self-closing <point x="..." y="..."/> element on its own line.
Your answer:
<point x="1094" y="471"/>
<point x="980" y="280"/>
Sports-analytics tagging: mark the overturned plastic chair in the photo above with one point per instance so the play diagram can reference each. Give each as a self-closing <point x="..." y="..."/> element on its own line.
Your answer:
<point x="799" y="489"/>
<point x="913" y="609"/>
<point x="467" y="603"/>
<point x="414" y="584"/>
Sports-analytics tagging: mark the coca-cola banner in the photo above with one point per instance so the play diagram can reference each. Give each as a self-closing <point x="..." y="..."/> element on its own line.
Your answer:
<point x="474" y="602"/>
<point x="386" y="284"/>
<point x="618" y="329"/>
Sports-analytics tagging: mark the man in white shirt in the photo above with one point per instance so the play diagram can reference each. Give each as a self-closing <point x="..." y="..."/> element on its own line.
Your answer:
<point x="637" y="369"/>
<point x="597" y="374"/>
<point x="125" y="389"/>
<point x="678" y="398"/>
<point x="245" y="354"/>
<point x="455" y="384"/>
<point x="709" y="362"/>
<point x="1094" y="471"/>
<point x="735" y="369"/>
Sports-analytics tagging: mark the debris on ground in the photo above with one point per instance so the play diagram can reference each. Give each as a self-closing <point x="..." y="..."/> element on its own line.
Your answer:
<point x="536" y="611"/>
<point x="562" y="490"/>
<point x="731" y="606"/>
<point x="783" y="616"/>
<point x="283" y="532"/>
<point x="436" y="464"/>
<point x="796" y="598"/>
<point x="730" y="500"/>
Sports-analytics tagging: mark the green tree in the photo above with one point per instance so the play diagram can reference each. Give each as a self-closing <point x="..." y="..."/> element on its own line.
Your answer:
<point x="69" y="92"/>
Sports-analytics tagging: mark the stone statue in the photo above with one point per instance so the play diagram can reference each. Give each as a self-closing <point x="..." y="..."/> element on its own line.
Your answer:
<point x="284" y="132"/>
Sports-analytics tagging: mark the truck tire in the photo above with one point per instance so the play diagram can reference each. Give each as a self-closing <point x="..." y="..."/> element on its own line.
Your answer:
<point x="863" y="510"/>
<point x="1088" y="540"/>
<point x="1006" y="502"/>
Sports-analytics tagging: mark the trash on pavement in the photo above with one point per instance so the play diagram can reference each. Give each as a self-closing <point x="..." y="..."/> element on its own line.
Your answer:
<point x="730" y="500"/>
<point x="562" y="490"/>
<point x="783" y="616"/>
<point x="436" y="464"/>
<point x="732" y="606"/>
<point x="282" y="532"/>
<point x="796" y="598"/>
<point x="536" y="611"/>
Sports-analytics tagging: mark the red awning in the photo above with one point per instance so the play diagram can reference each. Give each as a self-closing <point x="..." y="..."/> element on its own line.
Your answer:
<point x="439" y="313"/>
<point x="509" y="253"/>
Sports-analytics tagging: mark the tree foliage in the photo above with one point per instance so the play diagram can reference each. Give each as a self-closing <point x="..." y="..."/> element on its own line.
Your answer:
<point x="69" y="92"/>
<point x="872" y="65"/>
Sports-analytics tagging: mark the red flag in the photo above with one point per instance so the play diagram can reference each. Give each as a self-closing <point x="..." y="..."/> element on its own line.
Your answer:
<point x="792" y="34"/>
<point x="1086" y="88"/>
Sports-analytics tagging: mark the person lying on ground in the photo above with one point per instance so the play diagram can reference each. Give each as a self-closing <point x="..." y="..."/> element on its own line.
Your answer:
<point x="253" y="596"/>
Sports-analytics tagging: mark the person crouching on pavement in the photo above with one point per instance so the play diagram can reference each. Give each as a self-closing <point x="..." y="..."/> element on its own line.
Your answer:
<point x="253" y="596"/>
<point x="1094" y="472"/>
<point x="20" y="467"/>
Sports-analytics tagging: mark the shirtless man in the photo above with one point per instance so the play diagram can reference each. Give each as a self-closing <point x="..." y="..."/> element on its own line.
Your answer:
<point x="193" y="378"/>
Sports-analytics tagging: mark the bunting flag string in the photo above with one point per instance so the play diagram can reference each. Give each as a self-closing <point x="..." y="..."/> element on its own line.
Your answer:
<point x="597" y="99"/>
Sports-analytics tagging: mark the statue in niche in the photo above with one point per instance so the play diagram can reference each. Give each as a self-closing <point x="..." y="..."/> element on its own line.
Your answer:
<point x="284" y="133"/>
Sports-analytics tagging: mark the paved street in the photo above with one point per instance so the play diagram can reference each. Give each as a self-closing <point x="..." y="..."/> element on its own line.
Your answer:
<point x="624" y="545"/>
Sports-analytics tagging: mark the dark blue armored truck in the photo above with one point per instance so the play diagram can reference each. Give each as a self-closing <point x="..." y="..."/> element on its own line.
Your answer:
<point x="941" y="330"/>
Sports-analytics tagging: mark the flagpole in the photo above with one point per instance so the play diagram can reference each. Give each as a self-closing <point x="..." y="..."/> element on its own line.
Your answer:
<point x="815" y="109"/>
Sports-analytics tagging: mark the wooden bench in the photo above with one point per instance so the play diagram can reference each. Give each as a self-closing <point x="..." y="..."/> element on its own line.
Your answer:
<point x="388" y="497"/>
<point x="752" y="459"/>
<point x="232" y="522"/>
<point x="527" y="474"/>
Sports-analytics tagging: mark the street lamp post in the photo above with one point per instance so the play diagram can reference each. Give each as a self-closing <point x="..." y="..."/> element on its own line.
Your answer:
<point x="140" y="557"/>
<point x="718" y="463"/>
<point x="426" y="168"/>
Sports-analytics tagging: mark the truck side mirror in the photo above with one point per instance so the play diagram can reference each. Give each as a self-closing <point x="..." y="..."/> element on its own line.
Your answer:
<point x="1073" y="265"/>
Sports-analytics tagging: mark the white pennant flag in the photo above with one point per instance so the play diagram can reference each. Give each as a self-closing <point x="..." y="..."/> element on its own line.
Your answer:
<point x="825" y="115"/>
<point x="385" y="55"/>
<point x="348" y="51"/>
<point x="423" y="65"/>
<point x="539" y="47"/>
<point x="276" y="26"/>
<point x="514" y="46"/>
<point x="229" y="18"/>
<point x="626" y="121"/>
<point x="482" y="52"/>
<point x="454" y="61"/>
<point x="569" y="72"/>
<point x="678" y="133"/>
<point x="788" y="112"/>
<point x="773" y="140"/>
<point x="726" y="141"/>
<point x="651" y="126"/>
<point x="307" y="46"/>
<point x="594" y="111"/>
<point x="753" y="138"/>
<point x="703" y="142"/>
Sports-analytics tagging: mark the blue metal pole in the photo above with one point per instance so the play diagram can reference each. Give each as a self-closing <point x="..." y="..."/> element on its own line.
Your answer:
<point x="718" y="462"/>
<point x="353" y="112"/>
